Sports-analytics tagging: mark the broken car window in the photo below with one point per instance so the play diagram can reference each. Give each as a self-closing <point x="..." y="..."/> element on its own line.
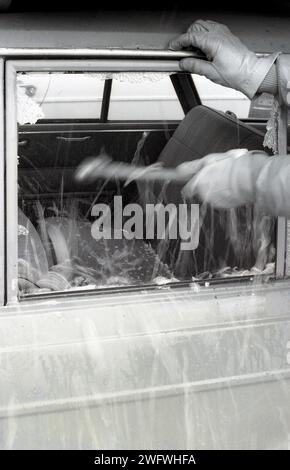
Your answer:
<point x="100" y="204"/>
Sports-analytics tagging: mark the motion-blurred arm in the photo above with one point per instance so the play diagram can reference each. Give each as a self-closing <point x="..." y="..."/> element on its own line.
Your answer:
<point x="239" y="177"/>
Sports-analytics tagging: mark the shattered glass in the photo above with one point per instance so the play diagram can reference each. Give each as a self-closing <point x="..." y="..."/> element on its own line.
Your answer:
<point x="56" y="249"/>
<point x="271" y="136"/>
<point x="28" y="110"/>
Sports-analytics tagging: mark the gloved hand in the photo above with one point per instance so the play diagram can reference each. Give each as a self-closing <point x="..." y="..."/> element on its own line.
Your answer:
<point x="230" y="62"/>
<point x="224" y="180"/>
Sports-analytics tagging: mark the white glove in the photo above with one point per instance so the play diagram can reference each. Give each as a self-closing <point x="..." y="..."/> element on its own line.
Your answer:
<point x="224" y="180"/>
<point x="230" y="63"/>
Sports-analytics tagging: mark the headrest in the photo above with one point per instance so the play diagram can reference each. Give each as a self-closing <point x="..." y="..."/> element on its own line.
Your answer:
<point x="205" y="130"/>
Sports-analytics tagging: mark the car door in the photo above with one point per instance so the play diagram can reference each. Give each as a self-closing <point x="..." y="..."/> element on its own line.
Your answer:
<point x="105" y="362"/>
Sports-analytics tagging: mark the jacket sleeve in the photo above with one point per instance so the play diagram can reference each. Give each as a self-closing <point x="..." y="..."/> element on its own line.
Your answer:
<point x="270" y="82"/>
<point x="272" y="186"/>
<point x="262" y="180"/>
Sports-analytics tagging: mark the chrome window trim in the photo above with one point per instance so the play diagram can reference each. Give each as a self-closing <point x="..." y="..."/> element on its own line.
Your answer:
<point x="282" y="223"/>
<point x="11" y="185"/>
<point x="95" y="65"/>
<point x="96" y="53"/>
<point x="101" y="53"/>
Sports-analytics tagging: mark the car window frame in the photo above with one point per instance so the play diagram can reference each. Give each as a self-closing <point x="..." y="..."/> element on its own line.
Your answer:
<point x="12" y="67"/>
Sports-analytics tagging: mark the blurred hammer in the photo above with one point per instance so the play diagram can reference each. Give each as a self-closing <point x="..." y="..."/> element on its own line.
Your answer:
<point x="104" y="167"/>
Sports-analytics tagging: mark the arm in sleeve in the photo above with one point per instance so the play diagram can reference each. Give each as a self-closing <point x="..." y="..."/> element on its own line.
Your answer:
<point x="272" y="188"/>
<point x="238" y="177"/>
<point x="270" y="82"/>
<point x="263" y="180"/>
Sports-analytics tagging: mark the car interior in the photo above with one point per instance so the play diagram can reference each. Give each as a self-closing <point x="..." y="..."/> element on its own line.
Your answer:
<point x="56" y="251"/>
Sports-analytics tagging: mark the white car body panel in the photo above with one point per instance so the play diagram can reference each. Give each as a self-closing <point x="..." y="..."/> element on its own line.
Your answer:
<point x="167" y="369"/>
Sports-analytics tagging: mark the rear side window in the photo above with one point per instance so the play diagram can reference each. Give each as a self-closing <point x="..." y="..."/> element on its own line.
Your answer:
<point x="64" y="96"/>
<point x="144" y="97"/>
<point x="132" y="96"/>
<point x="222" y="98"/>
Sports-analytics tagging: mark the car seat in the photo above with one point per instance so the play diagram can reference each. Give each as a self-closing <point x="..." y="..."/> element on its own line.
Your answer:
<point x="227" y="238"/>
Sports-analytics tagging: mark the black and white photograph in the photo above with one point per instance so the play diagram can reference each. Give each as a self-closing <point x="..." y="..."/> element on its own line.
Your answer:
<point x="145" y="232"/>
